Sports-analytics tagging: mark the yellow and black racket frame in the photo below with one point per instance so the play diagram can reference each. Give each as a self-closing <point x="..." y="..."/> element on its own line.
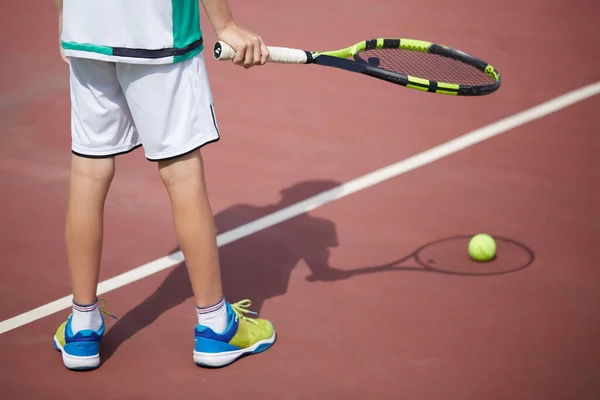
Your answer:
<point x="339" y="59"/>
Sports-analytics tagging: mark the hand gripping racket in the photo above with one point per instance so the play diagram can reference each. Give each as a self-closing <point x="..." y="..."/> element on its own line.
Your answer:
<point x="415" y="64"/>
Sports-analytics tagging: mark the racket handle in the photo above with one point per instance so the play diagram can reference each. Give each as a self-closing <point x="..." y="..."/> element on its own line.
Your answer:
<point x="224" y="52"/>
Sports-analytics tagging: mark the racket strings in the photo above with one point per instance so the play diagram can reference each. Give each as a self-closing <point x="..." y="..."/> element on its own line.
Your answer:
<point x="428" y="66"/>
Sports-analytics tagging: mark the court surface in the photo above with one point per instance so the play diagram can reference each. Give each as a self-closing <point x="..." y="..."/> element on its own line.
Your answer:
<point x="290" y="133"/>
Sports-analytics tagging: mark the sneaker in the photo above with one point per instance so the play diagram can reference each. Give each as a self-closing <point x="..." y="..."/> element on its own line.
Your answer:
<point x="82" y="350"/>
<point x="243" y="336"/>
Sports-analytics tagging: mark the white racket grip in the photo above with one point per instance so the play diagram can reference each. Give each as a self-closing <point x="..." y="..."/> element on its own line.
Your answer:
<point x="224" y="52"/>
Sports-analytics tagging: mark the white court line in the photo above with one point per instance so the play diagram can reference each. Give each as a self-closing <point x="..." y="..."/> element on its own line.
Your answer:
<point x="363" y="182"/>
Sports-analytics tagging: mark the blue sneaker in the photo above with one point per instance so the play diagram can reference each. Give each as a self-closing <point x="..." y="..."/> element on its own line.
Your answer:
<point x="82" y="350"/>
<point x="243" y="336"/>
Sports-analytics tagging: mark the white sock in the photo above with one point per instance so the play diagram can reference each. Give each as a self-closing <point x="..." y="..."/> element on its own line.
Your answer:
<point x="214" y="317"/>
<point x="86" y="317"/>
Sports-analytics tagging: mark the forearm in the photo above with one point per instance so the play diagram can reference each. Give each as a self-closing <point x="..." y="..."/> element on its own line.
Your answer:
<point x="218" y="12"/>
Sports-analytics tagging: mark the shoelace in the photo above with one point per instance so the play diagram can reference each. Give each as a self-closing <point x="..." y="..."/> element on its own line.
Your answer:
<point x="240" y="308"/>
<point x="102" y="306"/>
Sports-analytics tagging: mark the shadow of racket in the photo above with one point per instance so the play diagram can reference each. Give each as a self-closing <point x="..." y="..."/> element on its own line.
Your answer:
<point x="449" y="256"/>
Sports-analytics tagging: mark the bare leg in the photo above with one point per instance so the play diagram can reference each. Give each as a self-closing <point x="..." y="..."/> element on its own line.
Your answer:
<point x="194" y="225"/>
<point x="89" y="184"/>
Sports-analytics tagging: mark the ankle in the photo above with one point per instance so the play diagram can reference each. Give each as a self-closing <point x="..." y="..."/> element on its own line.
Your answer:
<point x="86" y="317"/>
<point x="213" y="316"/>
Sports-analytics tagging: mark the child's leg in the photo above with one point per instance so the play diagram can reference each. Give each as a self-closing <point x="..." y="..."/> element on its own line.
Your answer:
<point x="194" y="226"/>
<point x="89" y="184"/>
<point x="172" y="107"/>
<point x="173" y="111"/>
<point x="101" y="128"/>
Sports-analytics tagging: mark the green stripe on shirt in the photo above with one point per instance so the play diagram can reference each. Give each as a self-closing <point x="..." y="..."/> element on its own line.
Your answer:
<point x="186" y="22"/>
<point x="87" y="47"/>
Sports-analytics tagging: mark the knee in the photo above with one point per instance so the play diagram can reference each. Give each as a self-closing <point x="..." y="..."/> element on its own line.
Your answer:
<point x="96" y="170"/>
<point x="180" y="169"/>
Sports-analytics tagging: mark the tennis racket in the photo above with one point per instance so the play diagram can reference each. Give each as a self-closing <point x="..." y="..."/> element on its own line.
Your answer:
<point x="414" y="64"/>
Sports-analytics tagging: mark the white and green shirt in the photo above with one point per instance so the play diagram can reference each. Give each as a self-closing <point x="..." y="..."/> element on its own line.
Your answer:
<point x="132" y="31"/>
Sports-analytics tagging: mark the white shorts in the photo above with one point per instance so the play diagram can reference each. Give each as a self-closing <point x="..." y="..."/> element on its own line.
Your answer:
<point x="116" y="107"/>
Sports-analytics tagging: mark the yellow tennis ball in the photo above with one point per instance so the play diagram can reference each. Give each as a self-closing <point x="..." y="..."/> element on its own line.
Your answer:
<point x="482" y="247"/>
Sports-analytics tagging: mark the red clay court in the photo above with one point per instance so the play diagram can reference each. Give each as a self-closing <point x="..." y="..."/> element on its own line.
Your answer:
<point x="293" y="132"/>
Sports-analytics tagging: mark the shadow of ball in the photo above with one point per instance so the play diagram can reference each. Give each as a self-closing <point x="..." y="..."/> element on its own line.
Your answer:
<point x="451" y="255"/>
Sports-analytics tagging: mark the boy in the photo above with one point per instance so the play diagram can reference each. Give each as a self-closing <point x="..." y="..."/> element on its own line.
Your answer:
<point x="138" y="78"/>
